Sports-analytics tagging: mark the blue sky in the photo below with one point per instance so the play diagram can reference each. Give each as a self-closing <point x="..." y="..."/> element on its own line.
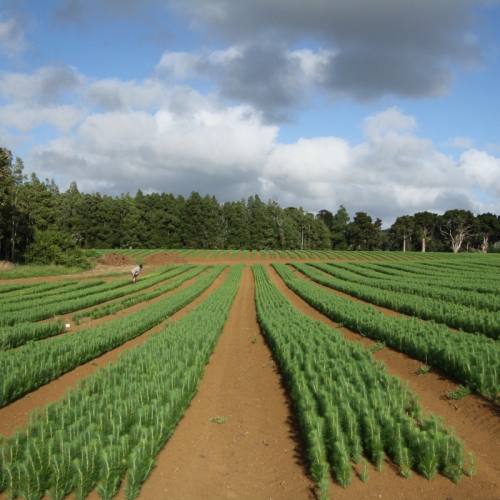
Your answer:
<point x="389" y="107"/>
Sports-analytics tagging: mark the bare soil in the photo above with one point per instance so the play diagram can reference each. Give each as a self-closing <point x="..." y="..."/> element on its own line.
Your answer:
<point x="164" y="259"/>
<point x="115" y="259"/>
<point x="256" y="453"/>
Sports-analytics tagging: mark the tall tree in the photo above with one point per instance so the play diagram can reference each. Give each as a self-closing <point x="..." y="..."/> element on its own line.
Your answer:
<point x="425" y="224"/>
<point x="456" y="226"/>
<point x="401" y="231"/>
<point x="363" y="233"/>
<point x="488" y="230"/>
<point x="338" y="229"/>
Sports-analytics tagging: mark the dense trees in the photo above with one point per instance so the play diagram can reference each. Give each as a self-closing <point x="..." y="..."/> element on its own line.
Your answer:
<point x="29" y="207"/>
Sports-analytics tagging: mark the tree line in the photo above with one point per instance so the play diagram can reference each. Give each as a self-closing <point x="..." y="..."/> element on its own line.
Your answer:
<point x="33" y="210"/>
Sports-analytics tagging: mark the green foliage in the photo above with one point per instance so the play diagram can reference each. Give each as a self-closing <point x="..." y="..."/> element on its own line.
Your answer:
<point x="347" y="404"/>
<point x="473" y="359"/>
<point x="24" y="369"/>
<point x="218" y="419"/>
<point x="459" y="393"/>
<point x="423" y="369"/>
<point x="56" y="248"/>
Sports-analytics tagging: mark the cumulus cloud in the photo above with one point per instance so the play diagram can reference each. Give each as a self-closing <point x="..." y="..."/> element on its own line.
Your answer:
<point x="273" y="52"/>
<point x="195" y="142"/>
<point x="12" y="37"/>
<point x="398" y="47"/>
<point x="267" y="75"/>
<point x="48" y="96"/>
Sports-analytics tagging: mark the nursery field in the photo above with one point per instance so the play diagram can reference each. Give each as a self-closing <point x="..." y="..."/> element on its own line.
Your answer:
<point x="245" y="374"/>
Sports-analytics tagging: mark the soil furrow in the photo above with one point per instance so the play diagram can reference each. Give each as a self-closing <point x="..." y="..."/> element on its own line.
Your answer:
<point x="476" y="421"/>
<point x="256" y="452"/>
<point x="17" y="413"/>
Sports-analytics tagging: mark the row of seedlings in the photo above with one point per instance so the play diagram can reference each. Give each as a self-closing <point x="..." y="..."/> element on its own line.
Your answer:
<point x="481" y="285"/>
<point x="72" y="291"/>
<point x="488" y="301"/>
<point x="21" y="333"/>
<point x="348" y="406"/>
<point x="114" y="307"/>
<point x="30" y="366"/>
<point x="117" y="420"/>
<point x="40" y="309"/>
<point x="472" y="359"/>
<point x="444" y="311"/>
<point x="10" y="293"/>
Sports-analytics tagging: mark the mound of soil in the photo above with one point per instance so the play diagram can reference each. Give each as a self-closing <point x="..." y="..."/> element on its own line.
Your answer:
<point x="5" y="265"/>
<point x="115" y="259"/>
<point x="163" y="259"/>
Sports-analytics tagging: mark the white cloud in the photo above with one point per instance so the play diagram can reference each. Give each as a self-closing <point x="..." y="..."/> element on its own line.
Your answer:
<point x="12" y="37"/>
<point x="118" y="136"/>
<point x="460" y="142"/>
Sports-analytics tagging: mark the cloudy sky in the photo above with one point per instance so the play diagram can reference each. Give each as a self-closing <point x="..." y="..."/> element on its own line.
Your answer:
<point x="385" y="106"/>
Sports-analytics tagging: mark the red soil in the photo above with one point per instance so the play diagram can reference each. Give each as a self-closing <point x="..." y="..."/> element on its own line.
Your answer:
<point x="164" y="259"/>
<point x="115" y="259"/>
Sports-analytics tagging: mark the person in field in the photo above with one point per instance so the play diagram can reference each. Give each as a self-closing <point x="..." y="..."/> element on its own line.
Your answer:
<point x="135" y="272"/>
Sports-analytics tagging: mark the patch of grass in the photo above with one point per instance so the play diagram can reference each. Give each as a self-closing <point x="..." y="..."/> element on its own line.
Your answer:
<point x="459" y="393"/>
<point x="28" y="271"/>
<point x="218" y="419"/>
<point x="254" y="341"/>
<point x="423" y="369"/>
<point x="269" y="364"/>
<point x="378" y="346"/>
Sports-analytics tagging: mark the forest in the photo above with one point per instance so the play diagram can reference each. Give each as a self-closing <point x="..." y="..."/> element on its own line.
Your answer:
<point x="34" y="210"/>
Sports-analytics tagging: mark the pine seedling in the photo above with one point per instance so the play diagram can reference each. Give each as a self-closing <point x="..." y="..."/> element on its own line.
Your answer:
<point x="110" y="476"/>
<point x="62" y="475"/>
<point x="459" y="393"/>
<point x="428" y="458"/>
<point x="341" y="465"/>
<point x="405" y="462"/>
<point x="11" y="479"/>
<point x="365" y="473"/>
<point x="140" y="465"/>
<point x="317" y="456"/>
<point x="453" y="467"/>
<point x="86" y="471"/>
<point x="423" y="369"/>
<point x="470" y="468"/>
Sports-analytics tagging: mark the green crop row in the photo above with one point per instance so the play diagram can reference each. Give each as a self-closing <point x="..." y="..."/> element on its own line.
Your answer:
<point x="423" y="269"/>
<point x="116" y="421"/>
<point x="72" y="291"/>
<point x="114" y="307"/>
<point x="21" y="333"/>
<point x="23" y="370"/>
<point x="13" y="292"/>
<point x="454" y="315"/>
<point x="348" y="405"/>
<point x="379" y="271"/>
<point x="108" y="291"/>
<point x="490" y="302"/>
<point x="472" y="359"/>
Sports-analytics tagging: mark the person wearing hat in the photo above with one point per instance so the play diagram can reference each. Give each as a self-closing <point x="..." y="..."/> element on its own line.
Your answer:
<point x="135" y="272"/>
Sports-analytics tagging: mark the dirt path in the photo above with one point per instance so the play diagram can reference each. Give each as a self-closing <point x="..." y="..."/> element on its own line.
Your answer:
<point x="476" y="421"/>
<point x="17" y="413"/>
<point x="255" y="453"/>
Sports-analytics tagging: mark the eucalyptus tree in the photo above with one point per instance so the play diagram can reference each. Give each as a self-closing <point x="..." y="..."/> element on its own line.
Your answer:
<point x="456" y="226"/>
<point x="401" y="232"/>
<point x="424" y="226"/>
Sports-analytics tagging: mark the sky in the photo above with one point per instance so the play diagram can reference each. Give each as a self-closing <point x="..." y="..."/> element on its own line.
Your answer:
<point x="389" y="107"/>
